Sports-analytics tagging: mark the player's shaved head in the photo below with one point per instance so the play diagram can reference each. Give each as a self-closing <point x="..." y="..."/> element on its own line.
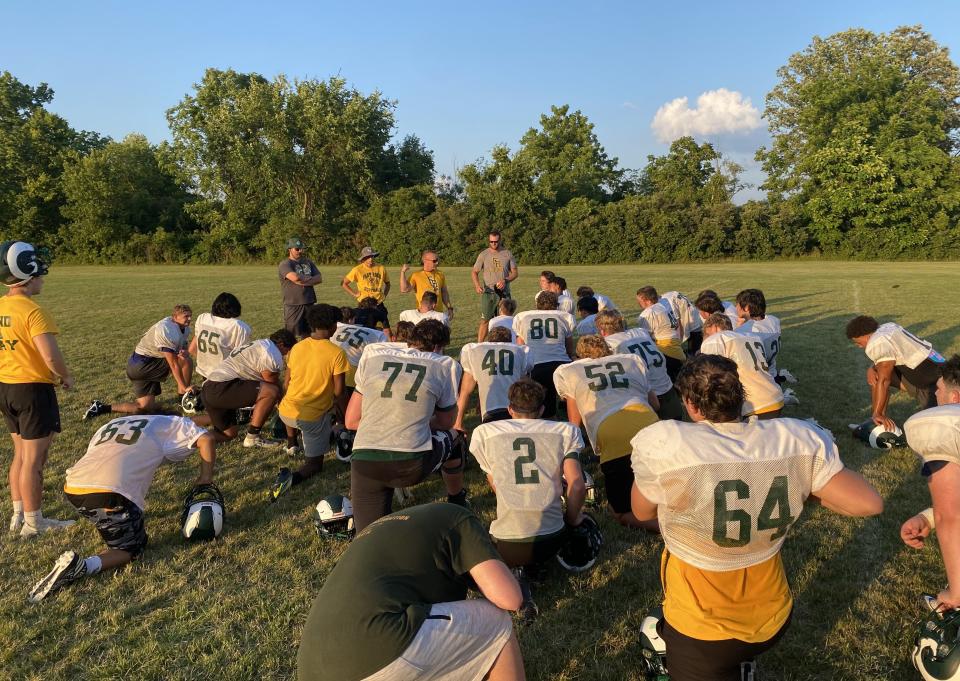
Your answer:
<point x="547" y="301"/>
<point x="609" y="322"/>
<point x="710" y="383"/>
<point x="526" y="397"/>
<point x="861" y="326"/>
<point x="499" y="334"/>
<point x="592" y="347"/>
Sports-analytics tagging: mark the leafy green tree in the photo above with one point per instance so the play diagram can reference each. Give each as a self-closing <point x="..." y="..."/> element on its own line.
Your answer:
<point x="34" y="144"/>
<point x="865" y="140"/>
<point x="407" y="164"/>
<point x="116" y="192"/>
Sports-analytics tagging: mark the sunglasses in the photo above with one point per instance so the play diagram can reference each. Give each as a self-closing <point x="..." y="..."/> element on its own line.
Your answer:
<point x="433" y="259"/>
<point x="495" y="242"/>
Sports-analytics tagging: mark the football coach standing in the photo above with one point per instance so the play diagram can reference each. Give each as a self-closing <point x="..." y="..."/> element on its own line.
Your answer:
<point x="298" y="275"/>
<point x="499" y="268"/>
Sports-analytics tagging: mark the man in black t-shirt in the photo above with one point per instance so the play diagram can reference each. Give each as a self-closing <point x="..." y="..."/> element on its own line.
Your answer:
<point x="396" y="604"/>
<point x="373" y="315"/>
<point x="297" y="278"/>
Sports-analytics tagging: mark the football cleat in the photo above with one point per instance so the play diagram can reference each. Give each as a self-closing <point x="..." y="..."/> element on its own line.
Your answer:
<point x="69" y="568"/>
<point x="582" y="547"/>
<point x="96" y="408"/>
<point x="936" y="648"/>
<point x="878" y="437"/>
<point x="282" y="485"/>
<point x="257" y="440"/>
<point x="790" y="398"/>
<point x="46" y="525"/>
<point x="653" y="649"/>
<point x="786" y="376"/>
<point x="528" y="610"/>
<point x="333" y="518"/>
<point x="203" y="513"/>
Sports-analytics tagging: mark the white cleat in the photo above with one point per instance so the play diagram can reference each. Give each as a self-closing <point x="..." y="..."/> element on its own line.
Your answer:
<point x="787" y="376"/>
<point x="790" y="398"/>
<point x="260" y="441"/>
<point x="46" y="525"/>
<point x="69" y="568"/>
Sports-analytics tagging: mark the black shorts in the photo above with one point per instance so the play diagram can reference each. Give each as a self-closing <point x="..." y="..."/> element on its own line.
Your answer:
<point x="221" y="399"/>
<point x="295" y="319"/>
<point x="495" y="415"/>
<point x="30" y="409"/>
<point x="694" y="341"/>
<point x="146" y="374"/>
<point x="518" y="553"/>
<point x="118" y="520"/>
<point x="920" y="382"/>
<point x="618" y="483"/>
<point x="690" y="659"/>
<point x="671" y="406"/>
<point x="543" y="374"/>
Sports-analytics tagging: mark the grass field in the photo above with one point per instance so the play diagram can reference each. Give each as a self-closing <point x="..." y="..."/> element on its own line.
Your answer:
<point x="234" y="609"/>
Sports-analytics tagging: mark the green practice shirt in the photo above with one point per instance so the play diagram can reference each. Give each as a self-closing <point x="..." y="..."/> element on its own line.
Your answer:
<point x="377" y="597"/>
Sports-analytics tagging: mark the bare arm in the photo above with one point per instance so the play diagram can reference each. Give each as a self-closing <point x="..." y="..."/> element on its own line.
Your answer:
<point x="497" y="584"/>
<point x="404" y="283"/>
<point x="573" y="412"/>
<point x="642" y="508"/>
<point x="880" y="393"/>
<point x="945" y="490"/>
<point x="171" y="359"/>
<point x="207" y="445"/>
<point x="351" y="418"/>
<point x="193" y="346"/>
<point x="654" y="400"/>
<point x="443" y="420"/>
<point x="476" y="281"/>
<point x="340" y="394"/>
<point x="445" y="297"/>
<point x="848" y="493"/>
<point x="270" y="377"/>
<point x="568" y="342"/>
<point x="345" y="285"/>
<point x="467" y="384"/>
<point x="513" y="273"/>
<point x="50" y="352"/>
<point x="576" y="491"/>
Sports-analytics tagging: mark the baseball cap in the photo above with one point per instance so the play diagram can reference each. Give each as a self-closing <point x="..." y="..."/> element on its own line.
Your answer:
<point x="367" y="252"/>
<point x="295" y="242"/>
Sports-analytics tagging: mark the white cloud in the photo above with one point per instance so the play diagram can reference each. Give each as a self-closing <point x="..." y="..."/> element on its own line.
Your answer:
<point x="717" y="111"/>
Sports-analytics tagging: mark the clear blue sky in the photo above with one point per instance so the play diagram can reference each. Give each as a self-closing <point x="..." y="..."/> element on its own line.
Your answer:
<point x="465" y="77"/>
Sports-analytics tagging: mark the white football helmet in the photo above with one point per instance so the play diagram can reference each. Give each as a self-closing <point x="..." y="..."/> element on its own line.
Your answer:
<point x="203" y="513"/>
<point x="333" y="518"/>
<point x="936" y="650"/>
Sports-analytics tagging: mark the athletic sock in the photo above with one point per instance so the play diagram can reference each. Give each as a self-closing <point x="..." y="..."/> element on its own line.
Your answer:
<point x="253" y="430"/>
<point x="18" y="507"/>
<point x="94" y="564"/>
<point x="32" y="518"/>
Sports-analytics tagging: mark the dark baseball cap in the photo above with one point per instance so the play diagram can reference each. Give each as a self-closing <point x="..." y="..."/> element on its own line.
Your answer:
<point x="295" y="242"/>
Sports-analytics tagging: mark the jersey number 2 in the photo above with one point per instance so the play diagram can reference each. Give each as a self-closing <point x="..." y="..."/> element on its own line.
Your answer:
<point x="532" y="478"/>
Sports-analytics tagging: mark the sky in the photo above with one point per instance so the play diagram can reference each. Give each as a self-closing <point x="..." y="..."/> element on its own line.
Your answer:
<point x="464" y="78"/>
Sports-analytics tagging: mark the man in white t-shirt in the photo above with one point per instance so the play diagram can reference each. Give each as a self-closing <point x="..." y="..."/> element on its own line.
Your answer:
<point x="900" y="360"/>
<point x="934" y="434"/>
<point x="609" y="395"/>
<point x="524" y="458"/>
<point x="612" y="328"/>
<point x="161" y="352"/>
<point x="549" y="333"/>
<point x="658" y="318"/>
<point x="425" y="310"/>
<point x="726" y="493"/>
<point x="403" y="410"/>
<point x="492" y="367"/>
<point x="108" y="486"/>
<point x="763" y="397"/>
<point x="218" y="333"/>
<point x="506" y="308"/>
<point x="249" y="377"/>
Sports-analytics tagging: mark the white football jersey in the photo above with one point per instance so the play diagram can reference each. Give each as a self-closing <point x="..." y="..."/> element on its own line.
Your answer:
<point x="248" y="362"/>
<point x="401" y="389"/>
<point x="124" y="454"/>
<point x="639" y="342"/>
<point x="506" y="321"/>
<point x="587" y="326"/>
<point x="730" y="310"/>
<point x="746" y="349"/>
<point x="525" y="459"/>
<point x="566" y="303"/>
<point x="495" y="367"/>
<point x="546" y="332"/>
<point x="602" y="387"/>
<point x="768" y="329"/>
<point x="727" y="493"/>
<point x="660" y="321"/>
<point x="604" y="303"/>
<point x="934" y="433"/>
<point x="353" y="338"/>
<point x="416" y="316"/>
<point x="892" y="343"/>
<point x="216" y="338"/>
<point x="165" y="334"/>
<point x="685" y="311"/>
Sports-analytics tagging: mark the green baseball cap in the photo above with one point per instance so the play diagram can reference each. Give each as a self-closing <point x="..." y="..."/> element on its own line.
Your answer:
<point x="295" y="242"/>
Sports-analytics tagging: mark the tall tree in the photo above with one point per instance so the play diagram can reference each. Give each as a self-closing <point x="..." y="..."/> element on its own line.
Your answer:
<point x="866" y="130"/>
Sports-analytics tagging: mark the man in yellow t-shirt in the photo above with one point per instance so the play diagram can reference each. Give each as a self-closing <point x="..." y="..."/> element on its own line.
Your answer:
<point x="725" y="493"/>
<point x="428" y="279"/>
<point x="313" y="390"/>
<point x="30" y="365"/>
<point x="371" y="280"/>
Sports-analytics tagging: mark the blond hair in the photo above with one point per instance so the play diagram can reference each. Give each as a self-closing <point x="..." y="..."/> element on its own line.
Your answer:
<point x="592" y="347"/>
<point x="610" y="321"/>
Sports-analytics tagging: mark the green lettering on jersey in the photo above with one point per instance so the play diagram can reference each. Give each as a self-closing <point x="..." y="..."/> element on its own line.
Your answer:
<point x="498" y="361"/>
<point x="533" y="478"/>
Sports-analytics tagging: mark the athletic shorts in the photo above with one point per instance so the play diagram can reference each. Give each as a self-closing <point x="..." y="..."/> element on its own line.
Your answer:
<point x="543" y="374"/>
<point x="489" y="302"/>
<point x="618" y="483"/>
<point x="532" y="551"/>
<point x="221" y="399"/>
<point x="316" y="434"/>
<point x="616" y="431"/>
<point x="118" y="520"/>
<point x="295" y="319"/>
<point x="671" y="407"/>
<point x="146" y="374"/>
<point x="920" y="382"/>
<point x="30" y="409"/>
<point x="372" y="482"/>
<point x="690" y="659"/>
<point x="495" y="415"/>
<point x="459" y="641"/>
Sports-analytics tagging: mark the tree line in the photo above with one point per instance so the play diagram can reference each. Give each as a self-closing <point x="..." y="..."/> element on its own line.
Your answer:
<point x="864" y="162"/>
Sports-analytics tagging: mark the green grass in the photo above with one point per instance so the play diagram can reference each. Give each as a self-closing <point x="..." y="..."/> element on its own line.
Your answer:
<point x="234" y="609"/>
